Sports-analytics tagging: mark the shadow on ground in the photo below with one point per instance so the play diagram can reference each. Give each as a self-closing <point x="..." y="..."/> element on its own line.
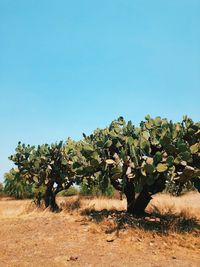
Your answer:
<point x="158" y="223"/>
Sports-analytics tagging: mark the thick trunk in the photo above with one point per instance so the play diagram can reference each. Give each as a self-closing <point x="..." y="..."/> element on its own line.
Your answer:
<point x="142" y="202"/>
<point x="137" y="207"/>
<point x="50" y="199"/>
<point x="145" y="196"/>
<point x="129" y="192"/>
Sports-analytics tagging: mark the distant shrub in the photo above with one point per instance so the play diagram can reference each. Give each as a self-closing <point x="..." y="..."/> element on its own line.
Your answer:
<point x="72" y="191"/>
<point x="1" y="190"/>
<point x="109" y="192"/>
<point x="88" y="190"/>
<point x="95" y="189"/>
<point x="177" y="189"/>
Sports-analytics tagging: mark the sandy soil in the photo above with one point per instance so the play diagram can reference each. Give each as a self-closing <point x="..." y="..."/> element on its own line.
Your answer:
<point x="39" y="238"/>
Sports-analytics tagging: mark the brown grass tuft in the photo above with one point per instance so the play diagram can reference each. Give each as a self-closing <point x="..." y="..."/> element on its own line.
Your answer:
<point x="187" y="205"/>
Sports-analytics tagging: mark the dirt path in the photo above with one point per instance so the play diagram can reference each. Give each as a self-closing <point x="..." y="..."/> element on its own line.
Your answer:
<point x="45" y="239"/>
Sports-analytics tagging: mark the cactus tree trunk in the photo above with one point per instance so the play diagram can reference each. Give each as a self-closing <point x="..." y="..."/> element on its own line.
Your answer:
<point x="50" y="199"/>
<point x="129" y="192"/>
<point x="136" y="207"/>
<point x="145" y="196"/>
<point x="142" y="202"/>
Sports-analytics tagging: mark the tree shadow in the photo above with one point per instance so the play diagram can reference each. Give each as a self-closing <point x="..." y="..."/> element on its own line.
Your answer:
<point x="155" y="222"/>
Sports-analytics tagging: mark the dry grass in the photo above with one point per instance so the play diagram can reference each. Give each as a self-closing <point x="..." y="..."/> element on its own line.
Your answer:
<point x="168" y="214"/>
<point x="38" y="237"/>
<point x="187" y="205"/>
<point x="103" y="203"/>
<point x="96" y="203"/>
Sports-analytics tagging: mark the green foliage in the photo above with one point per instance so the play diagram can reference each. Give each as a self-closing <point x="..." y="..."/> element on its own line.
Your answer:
<point x="39" y="191"/>
<point x="88" y="190"/>
<point x="178" y="189"/>
<point x="109" y="192"/>
<point x="72" y="191"/>
<point x="1" y="190"/>
<point x="44" y="164"/>
<point x="95" y="189"/>
<point x="16" y="186"/>
<point x="1" y="187"/>
<point x="196" y="183"/>
<point x="49" y="167"/>
<point x="157" y="152"/>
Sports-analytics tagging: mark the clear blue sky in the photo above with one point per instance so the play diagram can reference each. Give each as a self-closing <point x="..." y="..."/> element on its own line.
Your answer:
<point x="68" y="67"/>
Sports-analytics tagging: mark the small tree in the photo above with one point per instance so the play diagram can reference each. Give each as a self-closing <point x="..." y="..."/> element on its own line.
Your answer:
<point x="47" y="166"/>
<point x="16" y="186"/>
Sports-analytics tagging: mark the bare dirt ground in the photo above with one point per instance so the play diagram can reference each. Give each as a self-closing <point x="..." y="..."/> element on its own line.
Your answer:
<point x="94" y="232"/>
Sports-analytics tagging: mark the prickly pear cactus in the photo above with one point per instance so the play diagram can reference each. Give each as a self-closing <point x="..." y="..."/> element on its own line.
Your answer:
<point x="157" y="150"/>
<point x="140" y="159"/>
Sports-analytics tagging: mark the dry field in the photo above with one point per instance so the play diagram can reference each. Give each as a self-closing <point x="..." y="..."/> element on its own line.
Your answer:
<point x="97" y="232"/>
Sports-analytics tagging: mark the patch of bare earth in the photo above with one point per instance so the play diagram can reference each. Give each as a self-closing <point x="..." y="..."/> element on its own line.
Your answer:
<point x="74" y="237"/>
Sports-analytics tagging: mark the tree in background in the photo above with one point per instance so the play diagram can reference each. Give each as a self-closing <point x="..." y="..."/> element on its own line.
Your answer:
<point x="1" y="189"/>
<point x="16" y="186"/>
<point x="95" y="189"/>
